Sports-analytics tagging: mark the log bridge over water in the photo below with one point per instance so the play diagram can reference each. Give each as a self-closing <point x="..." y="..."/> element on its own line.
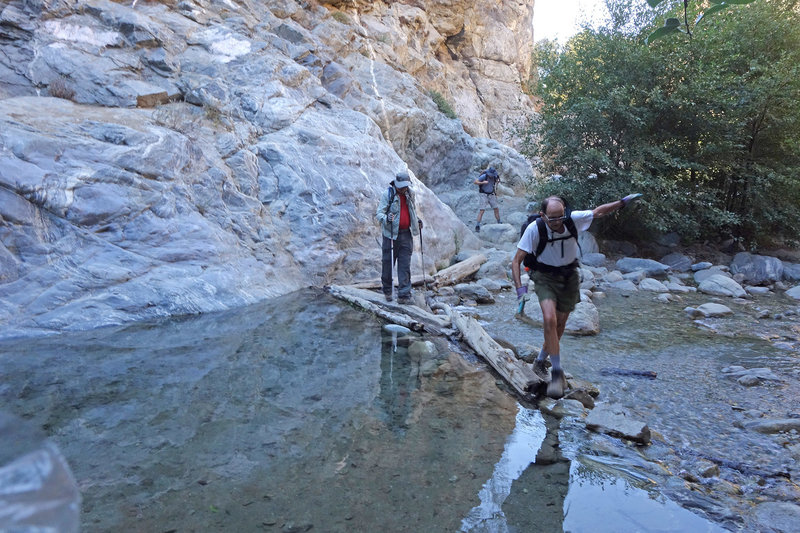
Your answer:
<point x="517" y="373"/>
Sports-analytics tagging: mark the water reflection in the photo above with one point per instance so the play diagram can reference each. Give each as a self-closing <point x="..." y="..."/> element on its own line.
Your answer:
<point x="623" y="507"/>
<point x="520" y="451"/>
<point x="399" y="379"/>
<point x="536" y="487"/>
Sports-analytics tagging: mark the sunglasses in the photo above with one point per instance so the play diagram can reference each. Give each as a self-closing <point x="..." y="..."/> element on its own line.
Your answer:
<point x="555" y="219"/>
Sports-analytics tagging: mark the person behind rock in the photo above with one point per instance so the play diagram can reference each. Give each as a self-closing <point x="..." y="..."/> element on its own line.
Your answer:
<point x="555" y="276"/>
<point x="487" y="186"/>
<point x="398" y="217"/>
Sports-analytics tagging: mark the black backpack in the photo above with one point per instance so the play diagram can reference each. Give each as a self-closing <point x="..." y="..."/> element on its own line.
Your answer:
<point x="486" y="173"/>
<point x="530" y="259"/>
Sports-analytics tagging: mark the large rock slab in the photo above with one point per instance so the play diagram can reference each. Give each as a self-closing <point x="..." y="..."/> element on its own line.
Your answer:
<point x="794" y="292"/>
<point x="720" y="285"/>
<point x="650" y="267"/>
<point x="757" y="269"/>
<point x="709" y="310"/>
<point x="677" y="262"/>
<point x="703" y="274"/>
<point x="614" y="420"/>
<point x="791" y="271"/>
<point x="275" y="129"/>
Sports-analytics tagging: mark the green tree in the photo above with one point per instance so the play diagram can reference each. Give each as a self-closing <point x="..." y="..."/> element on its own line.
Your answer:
<point x="709" y="131"/>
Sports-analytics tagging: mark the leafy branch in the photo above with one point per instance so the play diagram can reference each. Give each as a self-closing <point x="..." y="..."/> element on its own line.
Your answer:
<point x="672" y="25"/>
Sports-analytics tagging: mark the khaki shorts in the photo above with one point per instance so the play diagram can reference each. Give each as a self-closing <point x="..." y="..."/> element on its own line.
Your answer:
<point x="488" y="201"/>
<point x="564" y="290"/>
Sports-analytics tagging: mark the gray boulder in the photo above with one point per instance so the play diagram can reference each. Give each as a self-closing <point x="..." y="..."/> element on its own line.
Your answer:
<point x="475" y="292"/>
<point x="700" y="266"/>
<point x="652" y="285"/>
<point x="702" y="275"/>
<point x="593" y="259"/>
<point x="588" y="244"/>
<point x="677" y="262"/>
<point x="719" y="285"/>
<point x="791" y="271"/>
<point x="709" y="310"/>
<point x="624" y="285"/>
<point x="615" y="421"/>
<point x="794" y="292"/>
<point x="757" y="269"/>
<point x="649" y="266"/>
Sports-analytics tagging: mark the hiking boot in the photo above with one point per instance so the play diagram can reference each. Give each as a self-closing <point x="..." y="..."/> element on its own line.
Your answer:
<point x="388" y="297"/>
<point x="499" y="221"/>
<point x="539" y="369"/>
<point x="478" y="228"/>
<point x="405" y="300"/>
<point x="558" y="382"/>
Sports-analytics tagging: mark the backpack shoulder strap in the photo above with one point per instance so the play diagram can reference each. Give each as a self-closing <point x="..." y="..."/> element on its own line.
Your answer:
<point x="570" y="224"/>
<point x="573" y="231"/>
<point x="391" y="199"/>
<point x="542" y="236"/>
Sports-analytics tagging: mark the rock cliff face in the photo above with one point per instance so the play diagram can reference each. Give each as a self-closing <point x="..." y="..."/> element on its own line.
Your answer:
<point x="162" y="158"/>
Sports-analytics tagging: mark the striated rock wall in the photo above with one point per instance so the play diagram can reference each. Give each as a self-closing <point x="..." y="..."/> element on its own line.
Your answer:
<point x="170" y="157"/>
<point x="476" y="54"/>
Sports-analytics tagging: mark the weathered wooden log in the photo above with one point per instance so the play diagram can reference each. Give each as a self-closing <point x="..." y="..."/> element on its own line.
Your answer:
<point x="410" y="316"/>
<point x="447" y="276"/>
<point x="518" y="374"/>
<point x="375" y="284"/>
<point x="455" y="273"/>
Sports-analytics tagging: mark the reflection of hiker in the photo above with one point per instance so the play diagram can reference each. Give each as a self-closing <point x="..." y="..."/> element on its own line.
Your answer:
<point x="398" y="218"/>
<point x="555" y="273"/>
<point x="487" y="186"/>
<point x="398" y="381"/>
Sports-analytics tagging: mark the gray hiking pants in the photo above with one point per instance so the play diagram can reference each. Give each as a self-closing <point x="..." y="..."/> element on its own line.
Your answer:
<point x="402" y="246"/>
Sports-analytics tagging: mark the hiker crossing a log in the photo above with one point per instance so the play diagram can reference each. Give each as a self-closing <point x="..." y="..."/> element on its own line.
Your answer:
<point x="397" y="215"/>
<point x="550" y="244"/>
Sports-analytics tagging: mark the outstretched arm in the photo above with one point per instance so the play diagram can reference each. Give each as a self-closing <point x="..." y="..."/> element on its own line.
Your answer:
<point x="605" y="209"/>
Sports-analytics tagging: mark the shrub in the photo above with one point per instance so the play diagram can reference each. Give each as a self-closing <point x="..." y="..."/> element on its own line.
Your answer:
<point x="442" y="104"/>
<point x="61" y="88"/>
<point x="341" y="16"/>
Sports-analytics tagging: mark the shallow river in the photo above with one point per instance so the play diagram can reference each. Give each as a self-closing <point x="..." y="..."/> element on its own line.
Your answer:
<point x="300" y="415"/>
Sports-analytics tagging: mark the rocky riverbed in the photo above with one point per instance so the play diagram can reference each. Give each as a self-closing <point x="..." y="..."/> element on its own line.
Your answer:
<point x="299" y="415"/>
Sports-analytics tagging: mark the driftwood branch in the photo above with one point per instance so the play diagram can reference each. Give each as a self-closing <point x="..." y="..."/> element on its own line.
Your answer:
<point x="410" y="316"/>
<point x="454" y="274"/>
<point x="448" y="276"/>
<point x="517" y="373"/>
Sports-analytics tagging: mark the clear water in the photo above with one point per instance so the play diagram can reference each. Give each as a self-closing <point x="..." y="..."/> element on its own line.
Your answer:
<point x="298" y="414"/>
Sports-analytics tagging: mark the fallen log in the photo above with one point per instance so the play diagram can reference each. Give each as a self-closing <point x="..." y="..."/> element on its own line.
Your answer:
<point x="410" y="316"/>
<point x="447" y="276"/>
<point x="375" y="284"/>
<point x="455" y="273"/>
<point x="518" y="374"/>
